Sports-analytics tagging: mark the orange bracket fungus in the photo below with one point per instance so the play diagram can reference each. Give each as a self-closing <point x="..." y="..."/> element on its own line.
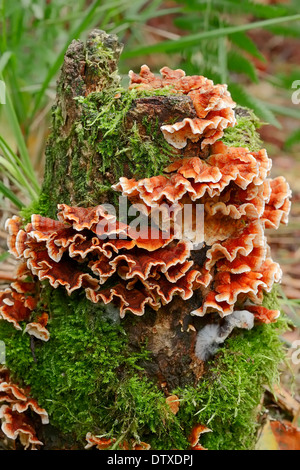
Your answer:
<point x="239" y="203"/>
<point x="182" y="283"/>
<point x="213" y="105"/>
<point x="195" y="435"/>
<point x="15" y="404"/>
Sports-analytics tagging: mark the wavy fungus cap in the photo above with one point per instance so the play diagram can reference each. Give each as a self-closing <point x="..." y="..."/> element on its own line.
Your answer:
<point x="16" y="412"/>
<point x="16" y="425"/>
<point x="195" y="435"/>
<point x="212" y="103"/>
<point x="196" y="178"/>
<point x="18" y="397"/>
<point x="150" y="271"/>
<point x="15" y="307"/>
<point x="101" y="443"/>
<point x="263" y="314"/>
<point x="38" y="328"/>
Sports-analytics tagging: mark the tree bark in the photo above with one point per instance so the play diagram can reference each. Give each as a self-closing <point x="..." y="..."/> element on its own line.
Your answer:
<point x="170" y="332"/>
<point x="89" y="68"/>
<point x="93" y="67"/>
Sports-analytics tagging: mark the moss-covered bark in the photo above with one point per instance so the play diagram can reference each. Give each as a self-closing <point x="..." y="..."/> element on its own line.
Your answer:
<point x="101" y="132"/>
<point x="110" y="377"/>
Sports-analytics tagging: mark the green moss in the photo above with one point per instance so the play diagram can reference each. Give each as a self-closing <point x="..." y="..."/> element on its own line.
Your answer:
<point x="88" y="379"/>
<point x="101" y="63"/>
<point x="141" y="408"/>
<point x="103" y="121"/>
<point x="41" y="206"/>
<point x="228" y="397"/>
<point x="244" y="133"/>
<point x="57" y="118"/>
<point x="102" y="149"/>
<point x="52" y="190"/>
<point x="86" y="357"/>
<point x="86" y="376"/>
<point x="271" y="299"/>
<point x="152" y="154"/>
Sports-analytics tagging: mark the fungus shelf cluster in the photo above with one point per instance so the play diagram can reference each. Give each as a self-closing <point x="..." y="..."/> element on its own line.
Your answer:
<point x="19" y="301"/>
<point x="144" y="271"/>
<point x="88" y="249"/>
<point x="76" y="251"/>
<point x="14" y="412"/>
<point x="212" y="103"/>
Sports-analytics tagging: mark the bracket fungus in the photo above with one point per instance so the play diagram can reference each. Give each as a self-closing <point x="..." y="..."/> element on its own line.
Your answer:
<point x="72" y="253"/>
<point x="101" y="443"/>
<point x="15" y="404"/>
<point x="195" y="435"/>
<point x="239" y="203"/>
<point x="19" y="302"/>
<point x="181" y="295"/>
<point x="213" y="105"/>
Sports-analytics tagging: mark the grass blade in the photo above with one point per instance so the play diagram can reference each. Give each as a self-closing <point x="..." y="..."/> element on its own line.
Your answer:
<point x="24" y="155"/>
<point x="4" y="60"/>
<point x="242" y="97"/>
<point x="74" y="33"/>
<point x="17" y="178"/>
<point x="10" y="195"/>
<point x="15" y="160"/>
<point x="283" y="110"/>
<point x="193" y="39"/>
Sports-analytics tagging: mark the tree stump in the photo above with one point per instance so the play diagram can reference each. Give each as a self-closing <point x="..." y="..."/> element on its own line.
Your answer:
<point x="85" y="71"/>
<point x="102" y="376"/>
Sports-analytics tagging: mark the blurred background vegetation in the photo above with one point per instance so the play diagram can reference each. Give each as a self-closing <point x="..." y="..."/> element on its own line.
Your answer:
<point x="254" y="46"/>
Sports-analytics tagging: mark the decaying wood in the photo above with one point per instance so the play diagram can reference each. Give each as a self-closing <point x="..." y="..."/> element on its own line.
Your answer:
<point x="78" y="74"/>
<point x="170" y="332"/>
<point x="85" y="71"/>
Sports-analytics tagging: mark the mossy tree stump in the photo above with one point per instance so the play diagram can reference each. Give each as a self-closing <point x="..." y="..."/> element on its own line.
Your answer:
<point x="77" y="173"/>
<point x="99" y="374"/>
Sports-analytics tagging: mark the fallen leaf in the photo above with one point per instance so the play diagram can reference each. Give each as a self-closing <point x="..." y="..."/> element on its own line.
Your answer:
<point x="173" y="402"/>
<point x="267" y="440"/>
<point x="287" y="435"/>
